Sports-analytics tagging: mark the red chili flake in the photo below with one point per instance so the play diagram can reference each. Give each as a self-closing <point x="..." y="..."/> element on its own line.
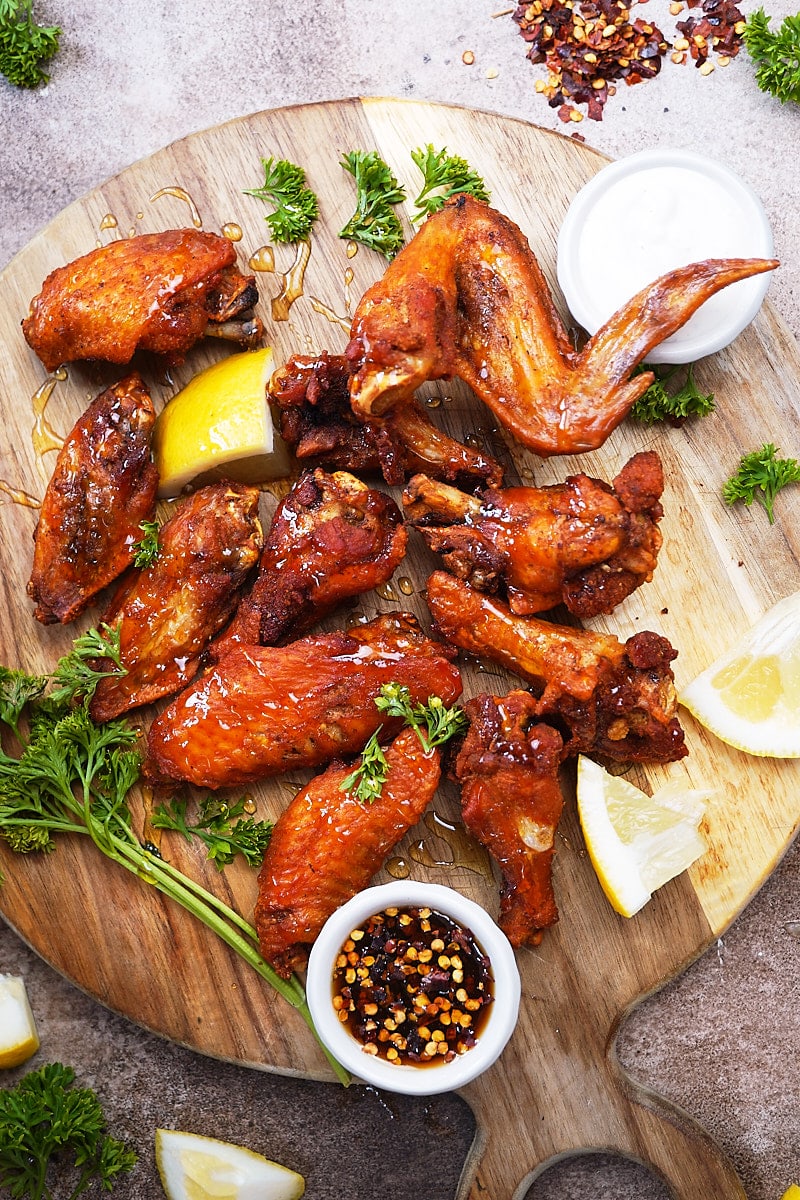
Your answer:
<point x="718" y="31"/>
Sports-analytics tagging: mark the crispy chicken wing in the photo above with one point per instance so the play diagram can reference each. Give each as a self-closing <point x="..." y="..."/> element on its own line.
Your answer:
<point x="327" y="845"/>
<point x="316" y="420"/>
<point x="103" y="486"/>
<point x="158" y="291"/>
<point x="580" y="543"/>
<point x="467" y="297"/>
<point x="167" y="613"/>
<point x="331" y="537"/>
<point x="606" y="697"/>
<point x="511" y="801"/>
<point x="262" y="710"/>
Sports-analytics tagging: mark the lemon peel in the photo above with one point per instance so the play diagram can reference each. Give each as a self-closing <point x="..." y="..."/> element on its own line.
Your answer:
<point x="636" y="842"/>
<point x="749" y="697"/>
<point x="19" y="1040"/>
<point x="193" y="1167"/>
<point x="220" y="425"/>
<point x="791" y="1193"/>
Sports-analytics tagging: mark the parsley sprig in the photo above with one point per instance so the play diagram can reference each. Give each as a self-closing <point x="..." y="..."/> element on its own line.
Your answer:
<point x="43" y="1120"/>
<point x="374" y="223"/>
<point x="78" y="672"/>
<point x="296" y="206"/>
<point x="224" y="828"/>
<point x="660" y="404"/>
<point x="760" y="476"/>
<point x="24" y="45"/>
<point x="776" y="54"/>
<point x="146" y="550"/>
<point x="444" y="175"/>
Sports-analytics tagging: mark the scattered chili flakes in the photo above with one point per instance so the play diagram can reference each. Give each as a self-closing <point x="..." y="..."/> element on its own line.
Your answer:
<point x="718" y="31"/>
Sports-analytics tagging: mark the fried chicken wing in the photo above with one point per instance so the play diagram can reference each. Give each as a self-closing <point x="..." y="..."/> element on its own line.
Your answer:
<point x="103" y="486"/>
<point x="159" y="291"/>
<point x="262" y="710"/>
<point x="580" y="543"/>
<point x="331" y="537"/>
<point x="316" y="420"/>
<point x="167" y="613"/>
<point x="606" y="697"/>
<point x="511" y="801"/>
<point x="467" y="297"/>
<point x="327" y="845"/>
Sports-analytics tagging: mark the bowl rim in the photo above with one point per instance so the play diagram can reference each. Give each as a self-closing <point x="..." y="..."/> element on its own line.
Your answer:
<point x="676" y="349"/>
<point x="406" y="1078"/>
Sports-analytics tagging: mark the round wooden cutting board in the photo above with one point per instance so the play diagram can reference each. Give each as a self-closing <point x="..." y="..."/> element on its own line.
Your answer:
<point x="558" y="1087"/>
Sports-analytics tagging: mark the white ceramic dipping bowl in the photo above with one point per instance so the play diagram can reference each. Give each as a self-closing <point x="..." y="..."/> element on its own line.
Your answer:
<point x="501" y="1014"/>
<point x="647" y="214"/>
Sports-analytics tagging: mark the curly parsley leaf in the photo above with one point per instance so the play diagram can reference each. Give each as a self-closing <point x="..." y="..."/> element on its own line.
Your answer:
<point x="444" y="175"/>
<point x="77" y="673"/>
<point x="296" y="206"/>
<point x="24" y="45"/>
<point x="659" y="403"/>
<point x="146" y="550"/>
<point x="224" y="828"/>
<point x="776" y="55"/>
<point x="374" y="223"/>
<point x="16" y="690"/>
<point x="760" y="476"/>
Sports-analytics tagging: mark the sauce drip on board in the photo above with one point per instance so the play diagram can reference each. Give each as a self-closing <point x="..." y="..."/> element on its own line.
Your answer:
<point x="180" y="194"/>
<point x="43" y="436"/>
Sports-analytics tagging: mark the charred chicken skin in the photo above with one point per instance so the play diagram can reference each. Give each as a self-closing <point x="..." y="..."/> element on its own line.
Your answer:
<point x="466" y="297"/>
<point x="606" y="697"/>
<point x="262" y="710"/>
<point x="103" y="486"/>
<point x="159" y="291"/>
<point x="332" y="537"/>
<point x="511" y="802"/>
<point x="580" y="543"/>
<point x="167" y="613"/>
<point x="327" y="845"/>
<point x="316" y="420"/>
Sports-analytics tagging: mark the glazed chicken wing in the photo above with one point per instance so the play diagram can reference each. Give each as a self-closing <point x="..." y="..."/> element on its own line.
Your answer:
<point x="316" y="420"/>
<point x="467" y="297"/>
<point x="262" y="710"/>
<point x="327" y="845"/>
<point x="159" y="291"/>
<point x="511" y="801"/>
<point x="167" y="613"/>
<point x="332" y="537"/>
<point x="580" y="543"/>
<point x="606" y="697"/>
<point x="103" y="487"/>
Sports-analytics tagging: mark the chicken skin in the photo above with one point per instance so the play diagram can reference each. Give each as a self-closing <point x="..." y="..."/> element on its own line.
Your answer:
<point x="606" y="697"/>
<point x="262" y="710"/>
<point x="168" y="612"/>
<point x="580" y="543"/>
<point x="331" y="537"/>
<point x="102" y="488"/>
<point x="328" y="844"/>
<point x="511" y="801"/>
<point x="316" y="420"/>
<point x="159" y="291"/>
<point x="466" y="297"/>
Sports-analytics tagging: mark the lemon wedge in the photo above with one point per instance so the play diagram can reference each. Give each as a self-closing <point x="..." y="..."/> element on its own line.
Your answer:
<point x="791" y="1193"/>
<point x="18" y="1037"/>
<point x="750" y="696"/>
<point x="193" y="1167"/>
<point x="220" y="426"/>
<point x="637" y="842"/>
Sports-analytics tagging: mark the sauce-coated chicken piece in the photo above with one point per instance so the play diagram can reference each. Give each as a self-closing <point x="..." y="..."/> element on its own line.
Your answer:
<point x="158" y="291"/>
<point x="316" y="420"/>
<point x="168" y="612"/>
<point x="511" y="802"/>
<point x="262" y="710"/>
<point x="327" y="845"/>
<point x="607" y="697"/>
<point x="466" y="297"/>
<point x="580" y="543"/>
<point x="332" y="537"/>
<point x="103" y="486"/>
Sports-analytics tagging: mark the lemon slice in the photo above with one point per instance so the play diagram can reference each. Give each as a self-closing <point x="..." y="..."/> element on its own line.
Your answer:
<point x="18" y="1037"/>
<point x="750" y="697"/>
<point x="637" y="842"/>
<point x="791" y="1193"/>
<point x="220" y="426"/>
<point x="193" y="1167"/>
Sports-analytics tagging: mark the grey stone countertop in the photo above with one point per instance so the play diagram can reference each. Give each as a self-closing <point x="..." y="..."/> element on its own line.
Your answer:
<point x="721" y="1041"/>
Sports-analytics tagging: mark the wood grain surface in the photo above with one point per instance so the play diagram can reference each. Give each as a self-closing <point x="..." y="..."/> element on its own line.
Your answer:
<point x="558" y="1088"/>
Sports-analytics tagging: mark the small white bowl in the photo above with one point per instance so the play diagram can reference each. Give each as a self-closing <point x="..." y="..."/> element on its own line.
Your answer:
<point x="501" y="1014"/>
<point x="647" y="214"/>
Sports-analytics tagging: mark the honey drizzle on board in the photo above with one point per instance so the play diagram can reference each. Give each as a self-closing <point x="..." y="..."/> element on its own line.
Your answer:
<point x="329" y="314"/>
<point x="292" y="286"/>
<point x="465" y="851"/>
<point x="180" y="194"/>
<point x="232" y="231"/>
<point x="43" y="436"/>
<point x="18" y="496"/>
